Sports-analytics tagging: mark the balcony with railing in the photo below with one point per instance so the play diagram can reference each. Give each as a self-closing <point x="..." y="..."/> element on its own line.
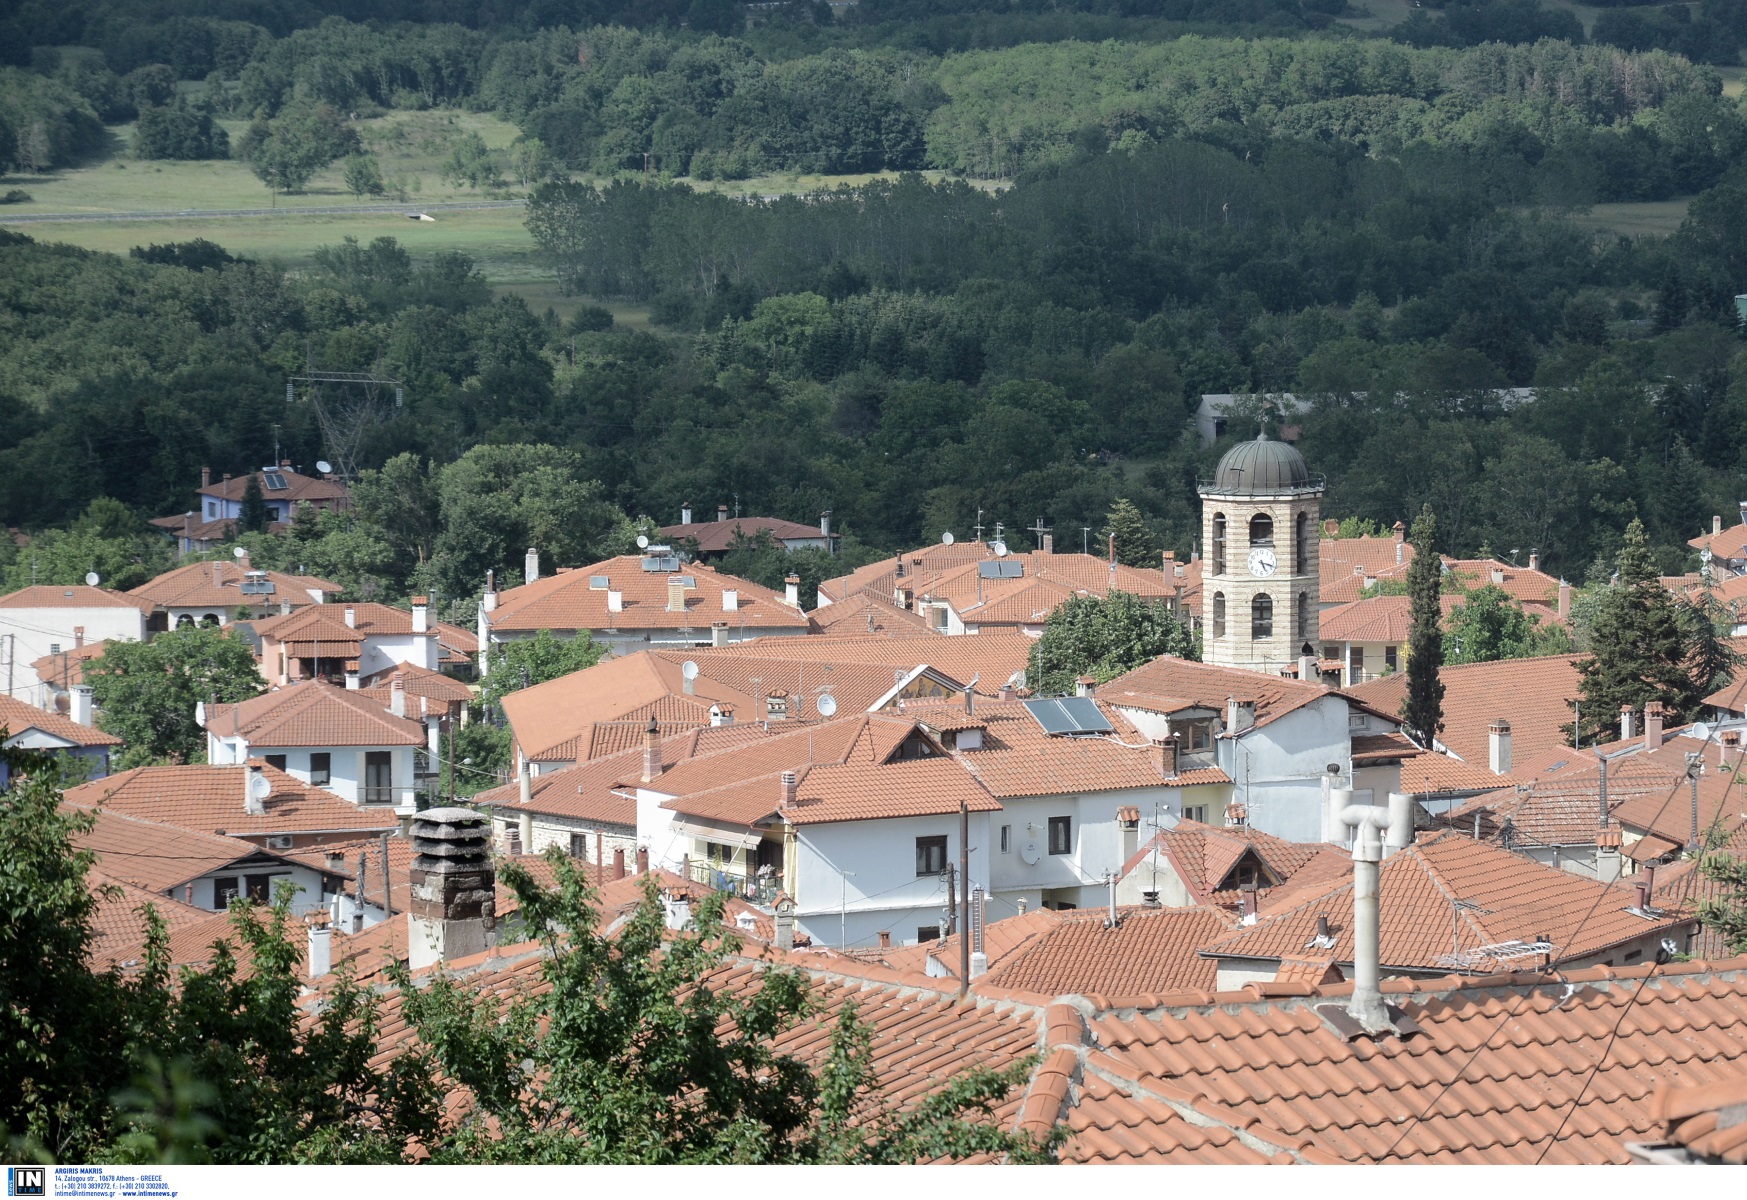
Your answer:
<point x="760" y="887"/>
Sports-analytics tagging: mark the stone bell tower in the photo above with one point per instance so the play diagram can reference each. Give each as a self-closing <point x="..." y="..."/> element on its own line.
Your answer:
<point x="1260" y="525"/>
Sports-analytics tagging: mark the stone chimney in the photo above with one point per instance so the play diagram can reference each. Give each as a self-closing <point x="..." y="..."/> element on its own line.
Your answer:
<point x="721" y="512"/>
<point x="321" y="943"/>
<point x="1085" y="686"/>
<point x="205" y="477"/>
<point x="720" y="715"/>
<point x="351" y="617"/>
<point x="421" y="614"/>
<point x="352" y="671"/>
<point x="791" y="790"/>
<point x="1498" y="747"/>
<point x="675" y="593"/>
<point x="454" y="905"/>
<point x="825" y="526"/>
<point x="79" y="705"/>
<point x="784" y="912"/>
<point x="730" y="600"/>
<point x="1653" y="724"/>
<point x="651" y="752"/>
<point x="1625" y="722"/>
<point x="1534" y="560"/>
<point x="397" y="696"/>
<point x="1564" y="600"/>
<point x="792" y="591"/>
<point x="685" y="513"/>
<point x="1048" y="546"/>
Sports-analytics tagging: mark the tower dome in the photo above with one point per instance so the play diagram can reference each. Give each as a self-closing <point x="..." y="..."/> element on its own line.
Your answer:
<point x="1260" y="468"/>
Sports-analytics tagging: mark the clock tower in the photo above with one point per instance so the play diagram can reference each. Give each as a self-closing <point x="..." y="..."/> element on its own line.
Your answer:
<point x="1260" y="524"/>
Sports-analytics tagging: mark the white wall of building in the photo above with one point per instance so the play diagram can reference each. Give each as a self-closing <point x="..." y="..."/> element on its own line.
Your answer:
<point x="884" y="893"/>
<point x="345" y="765"/>
<point x="1277" y="768"/>
<point x="26" y="634"/>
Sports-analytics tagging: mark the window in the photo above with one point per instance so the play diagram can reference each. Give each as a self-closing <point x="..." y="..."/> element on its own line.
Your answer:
<point x="931" y="856"/>
<point x="1261" y="530"/>
<point x="1006" y="839"/>
<point x="1356" y="665"/>
<point x="260" y="888"/>
<point x="1218" y="614"/>
<point x="54" y="647"/>
<point x="1061" y="835"/>
<point x="1195" y="812"/>
<point x="321" y="768"/>
<point x="224" y="890"/>
<point x="1301" y="544"/>
<point x="927" y="933"/>
<point x="276" y="761"/>
<point x="379" y="777"/>
<point x="1217" y="549"/>
<point x="579" y="845"/>
<point x="1219" y="427"/>
<point x="1303" y="616"/>
<point x="1262" y="617"/>
<point x="1356" y="722"/>
<point x="1391" y="657"/>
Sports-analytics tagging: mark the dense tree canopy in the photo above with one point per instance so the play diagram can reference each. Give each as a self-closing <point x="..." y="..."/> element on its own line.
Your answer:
<point x="149" y="691"/>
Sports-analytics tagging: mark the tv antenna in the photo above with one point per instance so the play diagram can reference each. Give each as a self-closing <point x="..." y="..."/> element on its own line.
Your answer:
<point x="347" y="405"/>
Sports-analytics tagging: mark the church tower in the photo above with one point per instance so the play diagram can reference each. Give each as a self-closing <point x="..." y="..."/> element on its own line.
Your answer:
<point x="1260" y="525"/>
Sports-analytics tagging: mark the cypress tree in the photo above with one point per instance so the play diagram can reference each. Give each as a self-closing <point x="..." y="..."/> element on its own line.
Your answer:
<point x="1423" y="709"/>
<point x="253" y="517"/>
<point x="1135" y="544"/>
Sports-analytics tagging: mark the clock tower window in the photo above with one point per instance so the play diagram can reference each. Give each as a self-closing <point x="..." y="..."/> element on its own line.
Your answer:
<point x="1218" y="547"/>
<point x="1218" y="614"/>
<point x="1261" y="530"/>
<point x="1262" y="617"/>
<point x="1300" y="543"/>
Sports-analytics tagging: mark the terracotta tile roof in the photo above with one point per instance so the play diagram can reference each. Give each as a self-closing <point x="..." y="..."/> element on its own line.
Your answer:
<point x="554" y="714"/>
<point x="852" y="792"/>
<point x="16" y="716"/>
<point x="156" y="856"/>
<point x="878" y="579"/>
<point x="1018" y="758"/>
<point x="73" y="596"/>
<point x="1001" y="939"/>
<point x="119" y="928"/>
<point x="418" y="681"/>
<point x="222" y="529"/>
<point x="1448" y="898"/>
<point x="1150" y="951"/>
<point x="316" y="713"/>
<point x="326" y="624"/>
<point x="1170" y="684"/>
<point x="865" y="614"/>
<point x="218" y="584"/>
<point x="996" y="656"/>
<point x="318" y="490"/>
<point x="855" y="686"/>
<point x="210" y="799"/>
<point x="347" y="853"/>
<point x="568" y="601"/>
<point x="1682" y="884"/>
<point x="1375" y="619"/>
<point x="1531" y="693"/>
<point x="1519" y="583"/>
<point x="1371" y="749"/>
<point x="67" y="669"/>
<point x="1204" y="857"/>
<point x="1709" y="1121"/>
<point x="715" y="537"/>
<point x="1731" y="543"/>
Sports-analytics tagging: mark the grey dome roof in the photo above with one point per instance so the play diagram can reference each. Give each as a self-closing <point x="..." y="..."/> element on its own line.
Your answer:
<point x="1261" y="467"/>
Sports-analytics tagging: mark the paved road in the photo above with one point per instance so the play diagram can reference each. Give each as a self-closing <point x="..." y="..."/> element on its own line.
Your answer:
<point x="207" y="214"/>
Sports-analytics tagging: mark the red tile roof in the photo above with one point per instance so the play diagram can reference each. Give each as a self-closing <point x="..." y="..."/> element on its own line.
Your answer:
<point x="715" y="537"/>
<point x="865" y="614"/>
<point x="73" y="596"/>
<point x="1447" y="899"/>
<point x="569" y="601"/>
<point x="1709" y="1121"/>
<point x="118" y="926"/>
<point x="1204" y="857"/>
<point x="210" y="799"/>
<point x="1731" y="543"/>
<point x="322" y="491"/>
<point x="1531" y="693"/>
<point x="1150" y="951"/>
<point x="316" y="713"/>
<point x="1171" y="684"/>
<point x="16" y="716"/>
<point x="67" y="669"/>
<point x="218" y="584"/>
<point x="434" y="686"/>
<point x="325" y="624"/>
<point x="155" y="856"/>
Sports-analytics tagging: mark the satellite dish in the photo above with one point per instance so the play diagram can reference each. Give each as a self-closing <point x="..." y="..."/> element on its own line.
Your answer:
<point x="92" y="579"/>
<point x="324" y="466"/>
<point x="689" y="670"/>
<point x="240" y="552"/>
<point x="642" y="541"/>
<point x="1030" y="853"/>
<point x="260" y="787"/>
<point x="1000" y="549"/>
<point x="827" y="706"/>
<point x="946" y="538"/>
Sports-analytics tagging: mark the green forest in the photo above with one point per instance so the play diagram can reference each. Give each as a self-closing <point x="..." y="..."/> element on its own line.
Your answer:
<point x="1127" y="204"/>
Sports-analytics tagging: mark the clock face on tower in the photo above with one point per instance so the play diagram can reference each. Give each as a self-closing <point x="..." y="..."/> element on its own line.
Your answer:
<point x="1262" y="561"/>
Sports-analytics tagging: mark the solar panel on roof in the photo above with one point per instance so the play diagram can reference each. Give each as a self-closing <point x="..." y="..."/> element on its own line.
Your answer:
<point x="275" y="481"/>
<point x="1049" y="714"/>
<point x="1068" y="716"/>
<point x="1085" y="714"/>
<point x="599" y="582"/>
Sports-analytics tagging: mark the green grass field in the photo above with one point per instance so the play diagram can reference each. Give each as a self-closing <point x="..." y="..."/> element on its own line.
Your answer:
<point x="1654" y="218"/>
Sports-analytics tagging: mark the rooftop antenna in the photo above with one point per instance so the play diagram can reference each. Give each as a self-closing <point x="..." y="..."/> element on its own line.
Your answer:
<point x="1085" y="539"/>
<point x="736" y="506"/>
<point x="979" y="524"/>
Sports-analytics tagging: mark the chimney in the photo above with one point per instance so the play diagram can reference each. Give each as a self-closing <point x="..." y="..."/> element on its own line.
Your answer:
<point x="352" y="683"/>
<point x="615" y="600"/>
<point x="80" y="705"/>
<point x="1399" y="529"/>
<point x="619" y="863"/>
<point x="454" y="904"/>
<point x="1564" y="600"/>
<point x="720" y="715"/>
<point x="512" y="840"/>
<point x="421" y="614"/>
<point x="1534" y="560"/>
<point x="397" y="696"/>
<point x="351" y="617"/>
<point x="719" y="633"/>
<point x="885" y="936"/>
<point x="1231" y="714"/>
<point x="1168" y="759"/>
<point x="1128" y="821"/>
<point x="678" y="904"/>
<point x="792" y="591"/>
<point x="1742" y="505"/>
<point x="1307" y="672"/>
<point x="1366" y="1006"/>
<point x="1716" y="525"/>
<point x="730" y="600"/>
<point x="1006" y="692"/>
<point x="1400" y="552"/>
<point x="791" y="790"/>
<point x="525" y="783"/>
<point x="78" y="637"/>
<point x="676" y="593"/>
<point x="784" y="912"/>
<point x="1608" y="866"/>
<point x="685" y="513"/>
<point x="1113" y="549"/>
<point x="1237" y="814"/>
<point x="1048" y="546"/>
<point x="1247" y="898"/>
<point x="321" y="943"/>
<point x="721" y="512"/>
<point x="651" y="752"/>
<point x="205" y="477"/>
<point x="1653" y="724"/>
<point x="1085" y="685"/>
<point x="1498" y="574"/>
<point x="254" y="781"/>
<point x="488" y="599"/>
<point x="1625" y="722"/>
<point x="1323" y="937"/>
<point x="825" y="526"/>
<point x="531" y="565"/>
<point x="1643" y="905"/>
<point x="642" y="860"/>
<point x="1498" y="747"/>
<point x="1020" y="905"/>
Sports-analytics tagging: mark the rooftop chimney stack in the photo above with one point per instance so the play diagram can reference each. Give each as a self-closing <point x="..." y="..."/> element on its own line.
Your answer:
<point x="721" y="512"/>
<point x="1742" y="505"/>
<point x="1048" y="546"/>
<point x="1534" y="560"/>
<point x="1625" y="722"/>
<point x="489" y="598"/>
<point x="730" y="600"/>
<point x="825" y="526"/>
<point x="685" y="513"/>
<point x="619" y="863"/>
<point x="719" y="635"/>
<point x="80" y="706"/>
<point x="615" y="600"/>
<point x="651" y="752"/>
<point x="791" y="790"/>
<point x="1498" y="747"/>
<point x="1231" y="714"/>
<point x="1716" y="525"/>
<point x="454" y="904"/>
<point x="421" y="614"/>
<point x="784" y="920"/>
<point x="792" y="591"/>
<point x="531" y="565"/>
<point x="351" y="617"/>
<point x="720" y="715"/>
<point x="1372" y="827"/>
<point x="1307" y="672"/>
<point x="397" y="696"/>
<point x="254" y="779"/>
<point x="1653" y="725"/>
<point x="642" y="860"/>
<point x="525" y="783"/>
<point x="1005" y="692"/>
<point x="676" y="593"/>
<point x="1247" y="898"/>
<point x="1564" y="600"/>
<point x="78" y="637"/>
<point x="352" y="669"/>
<point x="1128" y="822"/>
<point x="321" y="943"/>
<point x="1085" y="686"/>
<point x="1113" y="549"/>
<point x="205" y="477"/>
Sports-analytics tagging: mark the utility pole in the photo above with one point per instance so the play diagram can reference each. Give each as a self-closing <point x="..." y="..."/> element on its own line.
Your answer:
<point x="964" y="894"/>
<point x="951" y="902"/>
<point x="387" y="895"/>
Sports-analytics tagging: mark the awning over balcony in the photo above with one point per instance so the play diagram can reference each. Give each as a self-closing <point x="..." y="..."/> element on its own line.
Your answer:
<point x="723" y="835"/>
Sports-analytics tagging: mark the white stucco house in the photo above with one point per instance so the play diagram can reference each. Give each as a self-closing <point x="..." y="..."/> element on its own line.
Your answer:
<point x="44" y="621"/>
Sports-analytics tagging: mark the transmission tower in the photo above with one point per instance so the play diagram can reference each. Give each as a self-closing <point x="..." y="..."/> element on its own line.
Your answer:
<point x="347" y="404"/>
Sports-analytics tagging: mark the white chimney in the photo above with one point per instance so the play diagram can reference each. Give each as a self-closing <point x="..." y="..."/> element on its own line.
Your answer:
<point x="719" y="631"/>
<point x="488" y="599"/>
<point x="1373" y="827"/>
<point x="321" y="943"/>
<point x="525" y="783"/>
<point x="675" y="593"/>
<point x="527" y="831"/>
<point x="784" y="920"/>
<point x="1231" y="714"/>
<point x="254" y="789"/>
<point x="685" y="513"/>
<point x="1625" y="722"/>
<point x="351" y="617"/>
<point x="1085" y="685"/>
<point x="720" y="715"/>
<point x="825" y="525"/>
<point x="1498" y="574"/>
<point x="1534" y="560"/>
<point x="80" y="705"/>
<point x="730" y="600"/>
<point x="1498" y="747"/>
<point x="352" y="683"/>
<point x="531" y="565"/>
<point x="421" y="614"/>
<point x="721" y="512"/>
<point x="1716" y="525"/>
<point x="615" y="600"/>
<point x="1307" y="671"/>
<point x="397" y="696"/>
<point x="792" y="591"/>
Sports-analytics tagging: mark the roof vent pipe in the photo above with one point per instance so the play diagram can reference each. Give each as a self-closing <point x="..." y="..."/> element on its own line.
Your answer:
<point x="531" y="566"/>
<point x="1371" y="826"/>
<point x="721" y="512"/>
<point x="685" y="513"/>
